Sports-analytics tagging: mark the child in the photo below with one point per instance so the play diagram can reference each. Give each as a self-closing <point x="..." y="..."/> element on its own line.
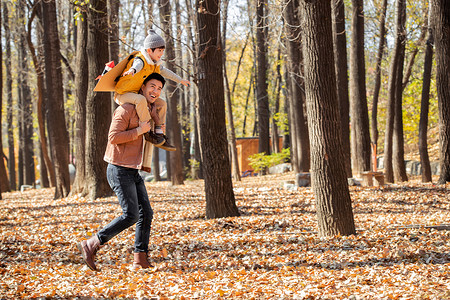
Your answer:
<point x="146" y="62"/>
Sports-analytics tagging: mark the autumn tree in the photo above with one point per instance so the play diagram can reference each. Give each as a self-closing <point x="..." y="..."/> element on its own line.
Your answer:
<point x="340" y="60"/>
<point x="56" y="125"/>
<point x="9" y="99"/>
<point x="329" y="178"/>
<point x="81" y="88"/>
<point x="4" y="183"/>
<point x="298" y="127"/>
<point x="220" y="201"/>
<point x="174" y="130"/>
<point x="360" y="136"/>
<point x="442" y="40"/>
<point x="425" y="102"/>
<point x="261" y="85"/>
<point x="98" y="105"/>
<point x="394" y="113"/>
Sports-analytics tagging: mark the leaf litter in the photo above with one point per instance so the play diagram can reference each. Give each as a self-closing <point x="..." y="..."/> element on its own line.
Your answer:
<point x="272" y="251"/>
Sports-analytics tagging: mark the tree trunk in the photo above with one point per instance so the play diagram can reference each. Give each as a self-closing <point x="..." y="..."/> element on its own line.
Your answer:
<point x="9" y="108"/>
<point x="398" y="150"/>
<point x="220" y="201"/>
<point x="300" y="151"/>
<point x="4" y="182"/>
<point x="261" y="83"/>
<point x="376" y="89"/>
<point x="395" y="83"/>
<point x="228" y="105"/>
<point x="329" y="178"/>
<point x="98" y="105"/>
<point x="340" y="57"/>
<point x="57" y="125"/>
<point x="174" y="132"/>
<point x="276" y="110"/>
<point x="441" y="10"/>
<point x="46" y="166"/>
<point x="425" y="102"/>
<point x="81" y="89"/>
<point x="113" y="38"/>
<point x="155" y="169"/>
<point x="360" y="136"/>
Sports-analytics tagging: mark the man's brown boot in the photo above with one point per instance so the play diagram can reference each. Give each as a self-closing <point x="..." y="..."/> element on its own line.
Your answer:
<point x="140" y="261"/>
<point x="88" y="249"/>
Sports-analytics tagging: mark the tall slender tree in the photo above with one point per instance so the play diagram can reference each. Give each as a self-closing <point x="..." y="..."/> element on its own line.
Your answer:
<point x="174" y="132"/>
<point x="98" y="105"/>
<point x="57" y="124"/>
<point x="340" y="60"/>
<point x="81" y="88"/>
<point x="377" y="87"/>
<point x="395" y="92"/>
<point x="360" y="135"/>
<point x="425" y="102"/>
<point x="4" y="185"/>
<point x="299" y="137"/>
<point x="262" y="95"/>
<point x="329" y="178"/>
<point x="441" y="10"/>
<point x="9" y="99"/>
<point x="220" y="201"/>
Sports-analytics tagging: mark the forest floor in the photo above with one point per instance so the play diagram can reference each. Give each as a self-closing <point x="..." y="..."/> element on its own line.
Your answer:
<point x="272" y="251"/>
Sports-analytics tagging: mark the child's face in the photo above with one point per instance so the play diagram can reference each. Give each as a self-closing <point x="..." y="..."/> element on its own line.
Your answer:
<point x="152" y="90"/>
<point x="155" y="55"/>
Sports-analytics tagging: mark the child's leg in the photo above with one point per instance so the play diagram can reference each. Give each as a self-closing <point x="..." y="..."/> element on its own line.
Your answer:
<point x="139" y="101"/>
<point x="160" y="115"/>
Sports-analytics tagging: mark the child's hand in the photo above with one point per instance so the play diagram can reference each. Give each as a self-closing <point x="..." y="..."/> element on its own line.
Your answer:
<point x="185" y="82"/>
<point x="145" y="126"/>
<point x="130" y="71"/>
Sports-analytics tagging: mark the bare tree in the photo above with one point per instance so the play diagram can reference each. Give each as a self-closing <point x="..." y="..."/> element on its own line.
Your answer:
<point x="425" y="102"/>
<point x="81" y="89"/>
<point x="98" y="105"/>
<point x="360" y="135"/>
<point x="329" y="178"/>
<point x="57" y="125"/>
<point x="261" y="85"/>
<point x="174" y="129"/>
<point x="340" y="60"/>
<point x="4" y="183"/>
<point x="441" y="10"/>
<point x="376" y="89"/>
<point x="220" y="201"/>
<point x="298" y="127"/>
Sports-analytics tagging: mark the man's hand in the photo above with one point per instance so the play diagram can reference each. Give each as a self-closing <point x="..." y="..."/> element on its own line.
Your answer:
<point x="185" y="82"/>
<point x="145" y="126"/>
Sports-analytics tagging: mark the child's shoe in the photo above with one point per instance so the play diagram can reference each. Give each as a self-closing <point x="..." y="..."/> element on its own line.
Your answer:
<point x="166" y="145"/>
<point x="156" y="139"/>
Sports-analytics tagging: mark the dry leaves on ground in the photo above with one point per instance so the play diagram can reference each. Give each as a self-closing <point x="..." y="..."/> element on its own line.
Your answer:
<point x="272" y="251"/>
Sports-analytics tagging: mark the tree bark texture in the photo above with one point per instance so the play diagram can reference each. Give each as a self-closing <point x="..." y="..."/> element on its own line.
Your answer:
<point x="56" y="125"/>
<point x="329" y="178"/>
<point x="174" y="129"/>
<point x="4" y="182"/>
<point x="376" y="89"/>
<point x="113" y="37"/>
<point x="392" y="151"/>
<point x="81" y="89"/>
<point x="425" y="103"/>
<point x="340" y="57"/>
<point x="9" y="99"/>
<point x="360" y="135"/>
<point x="261" y="85"/>
<point x="220" y="201"/>
<point x="46" y="166"/>
<point x="299" y="136"/>
<point x="442" y="41"/>
<point x="98" y="105"/>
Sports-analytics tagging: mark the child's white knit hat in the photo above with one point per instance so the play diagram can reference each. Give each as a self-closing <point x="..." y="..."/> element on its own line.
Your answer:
<point x="153" y="40"/>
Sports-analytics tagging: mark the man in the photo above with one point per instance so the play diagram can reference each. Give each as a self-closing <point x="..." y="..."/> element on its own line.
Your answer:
<point x="124" y="154"/>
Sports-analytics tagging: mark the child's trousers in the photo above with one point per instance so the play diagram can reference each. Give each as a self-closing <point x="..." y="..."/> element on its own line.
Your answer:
<point x="158" y="110"/>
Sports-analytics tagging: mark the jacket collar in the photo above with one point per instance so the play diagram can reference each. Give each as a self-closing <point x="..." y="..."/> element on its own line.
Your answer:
<point x="148" y="59"/>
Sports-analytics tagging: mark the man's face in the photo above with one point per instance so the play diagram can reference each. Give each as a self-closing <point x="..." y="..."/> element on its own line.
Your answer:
<point x="152" y="89"/>
<point x="156" y="55"/>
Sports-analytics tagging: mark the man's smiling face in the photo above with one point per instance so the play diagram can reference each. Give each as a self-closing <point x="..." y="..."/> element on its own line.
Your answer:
<point x="152" y="90"/>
